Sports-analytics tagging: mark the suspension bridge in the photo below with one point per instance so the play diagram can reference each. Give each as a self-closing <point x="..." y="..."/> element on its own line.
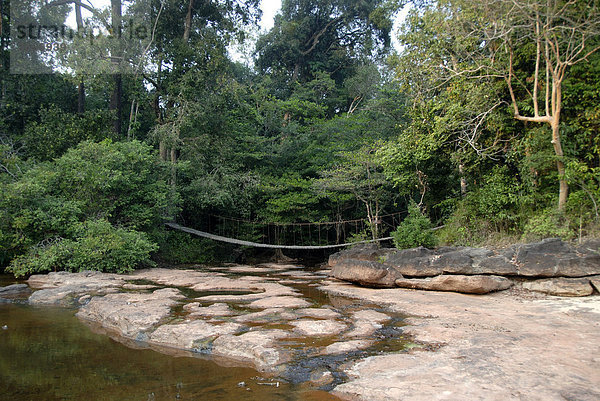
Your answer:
<point x="230" y="229"/>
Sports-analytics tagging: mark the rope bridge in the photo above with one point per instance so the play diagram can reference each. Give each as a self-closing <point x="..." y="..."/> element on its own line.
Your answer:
<point x="235" y="231"/>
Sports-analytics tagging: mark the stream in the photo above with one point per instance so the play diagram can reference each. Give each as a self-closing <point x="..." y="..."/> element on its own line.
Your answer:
<point x="46" y="353"/>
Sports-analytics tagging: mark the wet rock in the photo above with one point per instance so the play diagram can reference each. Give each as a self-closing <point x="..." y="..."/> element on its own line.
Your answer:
<point x="313" y="328"/>
<point x="279" y="266"/>
<point x="14" y="289"/>
<point x="458" y="283"/>
<point x="218" y="309"/>
<point x="63" y="295"/>
<point x="61" y="288"/>
<point x="370" y="316"/>
<point x="131" y="314"/>
<point x="223" y="284"/>
<point x="257" y="347"/>
<point x="363" y="329"/>
<point x="258" y="289"/>
<point x="191" y="335"/>
<point x="321" y="377"/>
<point x="279" y="302"/>
<point x="84" y="299"/>
<point x="173" y="277"/>
<point x="86" y="280"/>
<point x="319" y="313"/>
<point x="138" y="287"/>
<point x="343" y="347"/>
<point x="566" y="287"/>
<point x="270" y="315"/>
<point x="366" y="323"/>
<point x="365" y="252"/>
<point x="370" y="274"/>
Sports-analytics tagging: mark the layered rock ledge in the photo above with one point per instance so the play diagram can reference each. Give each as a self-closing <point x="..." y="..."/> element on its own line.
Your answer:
<point x="551" y="266"/>
<point x="508" y="345"/>
<point x="222" y="312"/>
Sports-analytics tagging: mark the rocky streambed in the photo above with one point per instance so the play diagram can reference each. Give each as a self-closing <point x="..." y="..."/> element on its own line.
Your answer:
<point x="394" y="343"/>
<point x="272" y="317"/>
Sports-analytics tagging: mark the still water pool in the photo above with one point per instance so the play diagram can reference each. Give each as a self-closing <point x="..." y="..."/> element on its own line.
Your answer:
<point x="48" y="354"/>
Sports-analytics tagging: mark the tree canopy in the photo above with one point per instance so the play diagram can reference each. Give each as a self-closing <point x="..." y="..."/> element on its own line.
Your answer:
<point x="484" y="121"/>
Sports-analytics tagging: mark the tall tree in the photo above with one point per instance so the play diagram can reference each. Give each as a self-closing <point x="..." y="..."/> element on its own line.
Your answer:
<point x="116" y="100"/>
<point x="310" y="36"/>
<point x="561" y="35"/>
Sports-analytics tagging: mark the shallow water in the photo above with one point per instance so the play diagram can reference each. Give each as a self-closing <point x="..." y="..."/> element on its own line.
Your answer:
<point x="48" y="354"/>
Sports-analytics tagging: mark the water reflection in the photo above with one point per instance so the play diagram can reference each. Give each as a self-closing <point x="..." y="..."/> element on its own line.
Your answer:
<point x="47" y="354"/>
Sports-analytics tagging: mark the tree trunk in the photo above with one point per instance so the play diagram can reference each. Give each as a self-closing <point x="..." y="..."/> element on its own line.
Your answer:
<point x="116" y="103"/>
<point x="173" y="168"/>
<point x="81" y="88"/>
<point x="162" y="149"/>
<point x="563" y="191"/>
<point x="81" y="97"/>
<point x="187" y="26"/>
<point x="463" y="180"/>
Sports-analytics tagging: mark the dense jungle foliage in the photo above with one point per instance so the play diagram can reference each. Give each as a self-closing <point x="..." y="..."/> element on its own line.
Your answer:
<point x="485" y="121"/>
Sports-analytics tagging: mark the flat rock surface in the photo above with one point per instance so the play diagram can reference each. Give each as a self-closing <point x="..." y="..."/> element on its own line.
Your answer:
<point x="502" y="346"/>
<point x="256" y="347"/>
<point x="371" y="316"/>
<point x="131" y="314"/>
<point x="308" y="327"/>
<point x="218" y="309"/>
<point x="191" y="335"/>
<point x="319" y="313"/>
<point x="279" y="302"/>
<point x="346" y="346"/>
<point x="362" y="329"/>
<point x="270" y="315"/>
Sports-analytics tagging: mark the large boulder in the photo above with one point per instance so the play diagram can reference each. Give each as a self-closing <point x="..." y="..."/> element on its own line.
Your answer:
<point x="14" y="289"/>
<point x="367" y="252"/>
<point x="554" y="258"/>
<point x="565" y="287"/>
<point x="415" y="262"/>
<point x="476" y="284"/>
<point x="13" y="292"/>
<point x="370" y="274"/>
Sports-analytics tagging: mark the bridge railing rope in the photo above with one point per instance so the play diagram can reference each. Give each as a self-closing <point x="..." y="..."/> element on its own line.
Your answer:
<point x="260" y="245"/>
<point x="308" y="234"/>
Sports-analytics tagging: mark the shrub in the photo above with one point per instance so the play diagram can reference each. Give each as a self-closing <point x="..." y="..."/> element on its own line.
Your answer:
<point x="415" y="230"/>
<point x="115" y="190"/>
<point x="548" y="223"/>
<point x="97" y="246"/>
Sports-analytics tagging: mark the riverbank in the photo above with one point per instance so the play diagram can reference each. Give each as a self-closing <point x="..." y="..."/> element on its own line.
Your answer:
<point x="298" y="326"/>
<point x="270" y="317"/>
<point x="502" y="346"/>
